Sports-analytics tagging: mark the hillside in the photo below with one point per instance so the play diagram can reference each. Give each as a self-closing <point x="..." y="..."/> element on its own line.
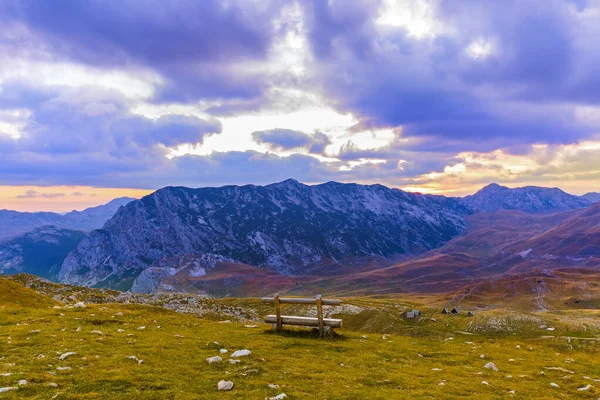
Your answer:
<point x="287" y="227"/>
<point x="14" y="223"/>
<point x="40" y="252"/>
<point x="113" y="350"/>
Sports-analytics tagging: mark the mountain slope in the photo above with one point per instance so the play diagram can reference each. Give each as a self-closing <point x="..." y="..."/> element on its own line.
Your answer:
<point x="39" y="252"/>
<point x="530" y="199"/>
<point x="592" y="197"/>
<point x="288" y="227"/>
<point x="15" y="223"/>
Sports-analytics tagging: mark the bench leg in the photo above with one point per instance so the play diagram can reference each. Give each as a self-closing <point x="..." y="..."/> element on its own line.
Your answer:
<point x="275" y="327"/>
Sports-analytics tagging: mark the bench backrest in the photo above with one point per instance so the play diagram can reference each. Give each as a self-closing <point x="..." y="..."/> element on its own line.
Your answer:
<point x="318" y="300"/>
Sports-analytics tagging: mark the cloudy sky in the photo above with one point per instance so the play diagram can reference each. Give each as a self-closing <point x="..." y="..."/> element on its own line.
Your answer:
<point x="100" y="99"/>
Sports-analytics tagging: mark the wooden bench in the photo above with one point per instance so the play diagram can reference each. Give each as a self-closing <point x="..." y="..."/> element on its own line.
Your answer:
<point x="323" y="324"/>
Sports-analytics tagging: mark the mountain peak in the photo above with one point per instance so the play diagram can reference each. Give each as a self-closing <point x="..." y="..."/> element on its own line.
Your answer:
<point x="530" y="199"/>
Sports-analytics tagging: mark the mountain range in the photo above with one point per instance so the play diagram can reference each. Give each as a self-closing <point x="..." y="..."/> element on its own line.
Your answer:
<point x="15" y="223"/>
<point x="350" y="238"/>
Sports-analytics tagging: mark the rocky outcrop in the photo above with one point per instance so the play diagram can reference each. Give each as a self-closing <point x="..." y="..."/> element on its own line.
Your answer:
<point x="150" y="279"/>
<point x="286" y="227"/>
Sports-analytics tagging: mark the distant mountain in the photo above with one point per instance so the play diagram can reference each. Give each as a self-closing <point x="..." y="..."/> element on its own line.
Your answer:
<point x="40" y="252"/>
<point x="530" y="199"/>
<point x="592" y="197"/>
<point x="15" y="223"/>
<point x="287" y="227"/>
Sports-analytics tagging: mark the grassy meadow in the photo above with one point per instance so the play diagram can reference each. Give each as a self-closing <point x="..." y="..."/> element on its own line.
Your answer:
<point x="374" y="357"/>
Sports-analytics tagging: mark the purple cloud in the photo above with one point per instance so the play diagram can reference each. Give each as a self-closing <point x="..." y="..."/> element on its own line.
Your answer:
<point x="287" y="139"/>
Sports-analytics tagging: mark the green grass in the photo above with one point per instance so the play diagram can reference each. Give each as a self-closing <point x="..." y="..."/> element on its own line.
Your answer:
<point x="346" y="366"/>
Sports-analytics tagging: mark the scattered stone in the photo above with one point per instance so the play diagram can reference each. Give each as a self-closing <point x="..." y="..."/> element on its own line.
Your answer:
<point x="278" y="397"/>
<point x="485" y="383"/>
<point x="178" y="335"/>
<point x="22" y="382"/>
<point x="6" y="374"/>
<point x="518" y="346"/>
<point x="214" y="359"/>
<point x="511" y="360"/>
<point x="491" y="366"/>
<point x="135" y="359"/>
<point x="120" y="330"/>
<point x="97" y="332"/>
<point x="364" y="337"/>
<point x="585" y="388"/>
<point x="63" y="368"/>
<point x="241" y="353"/>
<point x="6" y="389"/>
<point x="141" y="328"/>
<point x="436" y="369"/>
<point x="81" y="304"/>
<point x="433" y="319"/>
<point x="35" y="331"/>
<point x="273" y="386"/>
<point x="41" y="356"/>
<point x="250" y="326"/>
<point x="511" y="392"/>
<point x="223" y="351"/>
<point x="63" y="356"/>
<point x="554" y="385"/>
<point x="549" y="329"/>
<point x="120" y="314"/>
<point x="52" y="384"/>
<point x="482" y="356"/>
<point x="225" y="385"/>
<point x="234" y="361"/>
<point x="225" y="322"/>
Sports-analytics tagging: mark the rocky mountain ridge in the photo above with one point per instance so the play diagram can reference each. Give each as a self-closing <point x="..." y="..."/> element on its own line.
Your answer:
<point x="530" y="199"/>
<point x="287" y="227"/>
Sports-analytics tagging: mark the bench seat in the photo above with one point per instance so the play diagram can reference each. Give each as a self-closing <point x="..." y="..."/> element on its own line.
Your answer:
<point x="304" y="321"/>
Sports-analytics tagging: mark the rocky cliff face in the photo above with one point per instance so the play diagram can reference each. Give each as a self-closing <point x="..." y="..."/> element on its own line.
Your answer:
<point x="13" y="223"/>
<point x="286" y="227"/>
<point x="530" y="199"/>
<point x="40" y="252"/>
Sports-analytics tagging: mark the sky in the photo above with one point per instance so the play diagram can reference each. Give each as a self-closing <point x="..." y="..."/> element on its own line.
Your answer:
<point x="107" y="99"/>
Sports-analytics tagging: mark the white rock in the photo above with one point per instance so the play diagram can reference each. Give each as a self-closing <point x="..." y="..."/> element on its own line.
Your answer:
<point x="250" y="326"/>
<point x="223" y="351"/>
<point x="241" y="353"/>
<point x="491" y="366"/>
<point x="554" y="385"/>
<point x="585" y="388"/>
<point x="482" y="356"/>
<point x="52" y="384"/>
<point x="6" y="374"/>
<point x="120" y="330"/>
<point x="35" y="331"/>
<point x="518" y="346"/>
<point x="214" y="359"/>
<point x="549" y="329"/>
<point x="63" y="368"/>
<point x="225" y="385"/>
<point x="135" y="359"/>
<point x="484" y="383"/>
<point x="273" y="386"/>
<point x="22" y="382"/>
<point x="141" y="328"/>
<point x="6" y="389"/>
<point x="41" y="356"/>
<point x="67" y="354"/>
<point x="234" y="361"/>
<point x="278" y="397"/>
<point x="81" y="304"/>
<point x="436" y="369"/>
<point x="97" y="332"/>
